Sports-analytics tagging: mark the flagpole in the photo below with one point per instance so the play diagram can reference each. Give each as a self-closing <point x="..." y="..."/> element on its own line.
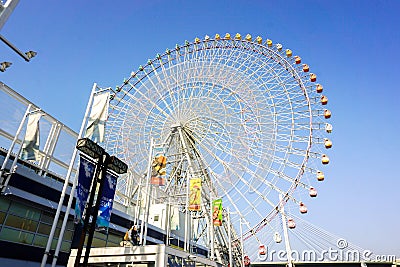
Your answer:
<point x="211" y="226"/>
<point x="63" y="193"/>
<point x="138" y="204"/>
<point x="241" y="240"/>
<point x="49" y="147"/>
<point x="75" y="182"/>
<point x="12" y="145"/>
<point x="229" y="237"/>
<point x="14" y="163"/>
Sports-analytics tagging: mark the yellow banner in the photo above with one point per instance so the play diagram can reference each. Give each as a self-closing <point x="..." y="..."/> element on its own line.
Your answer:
<point x="195" y="194"/>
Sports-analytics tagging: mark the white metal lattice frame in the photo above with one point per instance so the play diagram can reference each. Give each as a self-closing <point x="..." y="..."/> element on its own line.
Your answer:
<point x="254" y="115"/>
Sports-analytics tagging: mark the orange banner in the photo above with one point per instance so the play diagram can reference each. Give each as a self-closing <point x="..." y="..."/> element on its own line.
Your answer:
<point x="158" y="170"/>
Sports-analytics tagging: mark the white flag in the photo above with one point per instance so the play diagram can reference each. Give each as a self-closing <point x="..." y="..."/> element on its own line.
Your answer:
<point x="174" y="218"/>
<point x="30" y="146"/>
<point x="98" y="117"/>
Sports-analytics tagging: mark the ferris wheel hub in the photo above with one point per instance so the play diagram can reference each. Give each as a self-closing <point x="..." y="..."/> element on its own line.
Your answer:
<point x="176" y="125"/>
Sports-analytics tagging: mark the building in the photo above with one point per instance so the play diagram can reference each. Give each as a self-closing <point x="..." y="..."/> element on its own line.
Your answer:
<point x="30" y="198"/>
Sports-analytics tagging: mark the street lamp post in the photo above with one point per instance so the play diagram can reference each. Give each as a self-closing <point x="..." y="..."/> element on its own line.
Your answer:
<point x="105" y="159"/>
<point x="104" y="162"/>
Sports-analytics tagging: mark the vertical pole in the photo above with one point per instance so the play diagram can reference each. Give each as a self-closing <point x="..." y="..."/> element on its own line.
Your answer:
<point x="14" y="141"/>
<point x="88" y="211"/>
<point x="187" y="213"/>
<point x="285" y="232"/>
<point x="168" y="222"/>
<point x="146" y="226"/>
<point x="63" y="193"/>
<point x="137" y="210"/>
<point x="211" y="227"/>
<point x="14" y="163"/>
<point x="45" y="168"/>
<point x="229" y="238"/>
<point x="49" y="147"/>
<point x="144" y="221"/>
<point x="46" y="147"/>
<point x="12" y="169"/>
<point x="241" y="241"/>
<point x="138" y="204"/>
<point x="101" y="180"/>
<point x="8" y="9"/>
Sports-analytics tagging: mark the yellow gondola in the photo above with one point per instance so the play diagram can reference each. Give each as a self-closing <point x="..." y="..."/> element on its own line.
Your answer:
<point x="319" y="88"/>
<point x="325" y="159"/>
<point x="313" y="77"/>
<point x="320" y="176"/>
<point x="324" y="100"/>
<point x="327" y="113"/>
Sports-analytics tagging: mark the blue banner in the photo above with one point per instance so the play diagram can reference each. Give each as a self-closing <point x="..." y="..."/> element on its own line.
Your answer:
<point x="85" y="172"/>
<point x="107" y="199"/>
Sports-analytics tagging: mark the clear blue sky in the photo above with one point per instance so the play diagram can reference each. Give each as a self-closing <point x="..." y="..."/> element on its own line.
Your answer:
<point x="351" y="45"/>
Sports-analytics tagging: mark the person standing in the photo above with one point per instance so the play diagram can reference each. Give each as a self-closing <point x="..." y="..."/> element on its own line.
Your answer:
<point x="134" y="235"/>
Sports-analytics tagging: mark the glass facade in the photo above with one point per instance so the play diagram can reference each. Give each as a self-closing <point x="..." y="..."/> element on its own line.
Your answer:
<point x="21" y="223"/>
<point x="24" y="224"/>
<point x="101" y="239"/>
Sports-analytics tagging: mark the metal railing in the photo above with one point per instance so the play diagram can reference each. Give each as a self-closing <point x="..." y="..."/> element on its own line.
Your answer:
<point x="57" y="141"/>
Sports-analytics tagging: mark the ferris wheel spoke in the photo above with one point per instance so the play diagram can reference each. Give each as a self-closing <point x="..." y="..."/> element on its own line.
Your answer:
<point x="160" y="87"/>
<point x="137" y="101"/>
<point x="223" y="163"/>
<point x="232" y="202"/>
<point x="170" y="81"/>
<point x="156" y="91"/>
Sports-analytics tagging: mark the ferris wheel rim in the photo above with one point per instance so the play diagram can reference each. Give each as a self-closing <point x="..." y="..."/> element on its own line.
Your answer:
<point x="302" y="86"/>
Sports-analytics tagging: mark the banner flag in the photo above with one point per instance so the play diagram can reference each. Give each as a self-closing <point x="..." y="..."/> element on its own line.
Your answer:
<point x="217" y="212"/>
<point x="98" y="117"/>
<point x="107" y="200"/>
<point x="85" y="176"/>
<point x="30" y="146"/>
<point x="158" y="170"/>
<point x="195" y="194"/>
<point x="174" y="218"/>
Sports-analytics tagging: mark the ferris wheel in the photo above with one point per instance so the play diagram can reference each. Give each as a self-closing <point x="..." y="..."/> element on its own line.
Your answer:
<point x="244" y="115"/>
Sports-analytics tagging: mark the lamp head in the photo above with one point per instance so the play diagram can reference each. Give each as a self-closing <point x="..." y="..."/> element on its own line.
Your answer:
<point x="90" y="148"/>
<point x="30" y="54"/>
<point x="4" y="65"/>
<point x="117" y="165"/>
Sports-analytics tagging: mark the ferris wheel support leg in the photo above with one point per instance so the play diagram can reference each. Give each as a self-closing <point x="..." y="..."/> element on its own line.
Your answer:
<point x="285" y="233"/>
<point x="187" y="215"/>
<point x="143" y="226"/>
